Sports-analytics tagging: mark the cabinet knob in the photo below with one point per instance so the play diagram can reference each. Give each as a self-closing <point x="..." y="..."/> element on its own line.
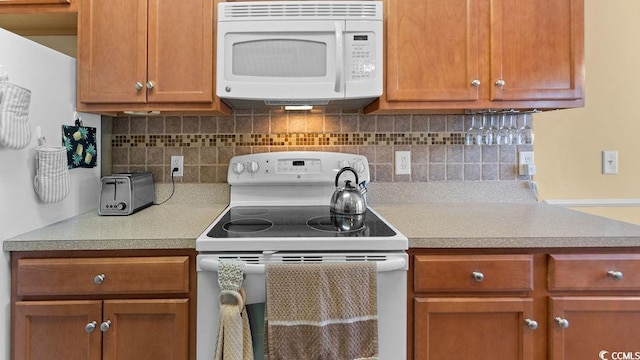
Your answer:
<point x="90" y="326"/>
<point x="150" y="85"/>
<point x="616" y="275"/>
<point x="105" y="326"/>
<point x="531" y="324"/>
<point x="563" y="323"/>
<point x="475" y="83"/>
<point x="477" y="276"/>
<point x="500" y="83"/>
<point x="99" y="279"/>
<point x="139" y="85"/>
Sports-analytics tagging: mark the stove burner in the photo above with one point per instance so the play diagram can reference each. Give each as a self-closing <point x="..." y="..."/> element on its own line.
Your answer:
<point x="335" y="224"/>
<point x="251" y="211"/>
<point x="247" y="225"/>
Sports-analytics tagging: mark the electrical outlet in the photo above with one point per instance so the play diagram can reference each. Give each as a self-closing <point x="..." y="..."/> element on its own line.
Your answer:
<point x="177" y="161"/>
<point x="609" y="162"/>
<point x="526" y="166"/>
<point x="403" y="162"/>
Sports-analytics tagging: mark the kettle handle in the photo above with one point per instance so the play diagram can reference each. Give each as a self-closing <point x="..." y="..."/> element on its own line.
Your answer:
<point x="347" y="168"/>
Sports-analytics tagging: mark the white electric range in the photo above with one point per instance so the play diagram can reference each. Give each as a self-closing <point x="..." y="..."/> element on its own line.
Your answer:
<point x="279" y="212"/>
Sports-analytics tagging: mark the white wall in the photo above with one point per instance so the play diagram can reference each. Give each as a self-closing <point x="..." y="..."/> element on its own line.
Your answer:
<point x="51" y="77"/>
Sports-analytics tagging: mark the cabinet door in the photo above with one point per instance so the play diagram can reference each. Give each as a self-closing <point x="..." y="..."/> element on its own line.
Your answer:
<point x="180" y="51"/>
<point x="596" y="328"/>
<point x="473" y="328"/>
<point x="146" y="329"/>
<point x="432" y="50"/>
<point x="537" y="49"/>
<point x="112" y="51"/>
<point x="52" y="330"/>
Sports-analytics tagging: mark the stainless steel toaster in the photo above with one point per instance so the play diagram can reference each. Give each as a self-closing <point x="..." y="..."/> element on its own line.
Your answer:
<point x="124" y="194"/>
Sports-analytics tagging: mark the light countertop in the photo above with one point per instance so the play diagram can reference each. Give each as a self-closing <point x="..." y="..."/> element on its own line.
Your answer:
<point x="505" y="225"/>
<point x="462" y="222"/>
<point x="157" y="227"/>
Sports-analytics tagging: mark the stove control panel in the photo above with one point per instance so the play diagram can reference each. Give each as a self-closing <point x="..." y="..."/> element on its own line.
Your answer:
<point x="299" y="166"/>
<point x="291" y="167"/>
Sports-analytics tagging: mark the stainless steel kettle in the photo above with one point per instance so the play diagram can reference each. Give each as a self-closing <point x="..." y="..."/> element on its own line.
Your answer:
<point x="348" y="200"/>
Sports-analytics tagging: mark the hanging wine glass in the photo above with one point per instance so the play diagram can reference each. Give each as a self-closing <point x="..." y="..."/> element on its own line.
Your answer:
<point x="486" y="133"/>
<point x="504" y="135"/>
<point x="472" y="136"/>
<point x="513" y="130"/>
<point x="525" y="134"/>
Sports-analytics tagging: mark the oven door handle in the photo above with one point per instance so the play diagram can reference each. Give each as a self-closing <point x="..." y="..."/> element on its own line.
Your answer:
<point x="393" y="264"/>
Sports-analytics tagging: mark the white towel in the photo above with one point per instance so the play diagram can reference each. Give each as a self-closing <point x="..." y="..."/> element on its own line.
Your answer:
<point x="52" y="182"/>
<point x="15" y="132"/>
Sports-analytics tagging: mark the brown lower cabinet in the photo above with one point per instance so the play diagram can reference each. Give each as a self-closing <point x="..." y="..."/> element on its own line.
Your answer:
<point x="95" y="306"/>
<point x="110" y="329"/>
<point x="529" y="305"/>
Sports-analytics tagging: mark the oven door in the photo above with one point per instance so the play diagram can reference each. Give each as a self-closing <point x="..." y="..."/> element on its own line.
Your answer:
<point x="391" y="298"/>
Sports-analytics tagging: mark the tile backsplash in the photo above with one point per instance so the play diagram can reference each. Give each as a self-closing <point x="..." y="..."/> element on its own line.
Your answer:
<point x="436" y="143"/>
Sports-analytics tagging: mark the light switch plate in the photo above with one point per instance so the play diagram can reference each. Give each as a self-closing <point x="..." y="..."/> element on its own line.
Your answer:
<point x="609" y="162"/>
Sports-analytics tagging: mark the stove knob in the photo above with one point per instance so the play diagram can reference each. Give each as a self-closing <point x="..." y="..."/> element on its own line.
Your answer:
<point x="237" y="168"/>
<point x="359" y="166"/>
<point x="121" y="206"/>
<point x="253" y="167"/>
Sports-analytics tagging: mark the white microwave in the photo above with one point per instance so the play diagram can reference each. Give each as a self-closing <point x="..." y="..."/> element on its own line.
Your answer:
<point x="278" y="53"/>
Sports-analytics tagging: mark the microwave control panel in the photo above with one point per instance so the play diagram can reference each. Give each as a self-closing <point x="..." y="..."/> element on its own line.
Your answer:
<point x="361" y="56"/>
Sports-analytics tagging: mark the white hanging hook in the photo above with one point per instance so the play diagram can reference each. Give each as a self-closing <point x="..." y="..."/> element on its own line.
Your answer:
<point x="77" y="119"/>
<point x="40" y="136"/>
<point x="4" y="74"/>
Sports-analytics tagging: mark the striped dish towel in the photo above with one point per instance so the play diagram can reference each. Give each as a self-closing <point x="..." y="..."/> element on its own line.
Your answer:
<point x="52" y="182"/>
<point x="321" y="311"/>
<point x="15" y="132"/>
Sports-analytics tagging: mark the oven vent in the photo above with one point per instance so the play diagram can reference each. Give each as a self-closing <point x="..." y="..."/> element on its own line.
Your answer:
<point x="302" y="258"/>
<point x="308" y="10"/>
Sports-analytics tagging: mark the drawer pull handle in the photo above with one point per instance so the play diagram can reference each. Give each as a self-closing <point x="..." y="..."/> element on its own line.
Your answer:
<point x="99" y="279"/>
<point x="139" y="85"/>
<point x="90" y="326"/>
<point x="105" y="326"/>
<point x="563" y="323"/>
<point x="477" y="276"/>
<point x="616" y="275"/>
<point x="531" y="324"/>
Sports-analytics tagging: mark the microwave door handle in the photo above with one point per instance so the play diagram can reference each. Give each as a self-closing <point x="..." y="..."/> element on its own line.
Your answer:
<point x="339" y="56"/>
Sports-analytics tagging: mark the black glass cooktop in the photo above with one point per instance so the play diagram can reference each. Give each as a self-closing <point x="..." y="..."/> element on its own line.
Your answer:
<point x="296" y="221"/>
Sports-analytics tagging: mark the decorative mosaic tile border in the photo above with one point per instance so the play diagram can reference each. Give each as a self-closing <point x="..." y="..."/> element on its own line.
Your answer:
<point x="325" y="139"/>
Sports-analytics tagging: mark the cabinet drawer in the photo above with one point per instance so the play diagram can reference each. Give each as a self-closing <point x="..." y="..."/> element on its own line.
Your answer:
<point x="473" y="273"/>
<point x="594" y="272"/>
<point x="100" y="276"/>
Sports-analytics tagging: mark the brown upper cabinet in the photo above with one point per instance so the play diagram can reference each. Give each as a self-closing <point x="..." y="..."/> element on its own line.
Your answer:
<point x="39" y="17"/>
<point x="36" y="5"/>
<point x="145" y="55"/>
<point x="459" y="54"/>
